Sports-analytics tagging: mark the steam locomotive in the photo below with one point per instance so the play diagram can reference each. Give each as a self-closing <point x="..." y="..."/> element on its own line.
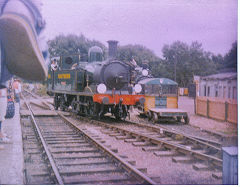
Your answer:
<point x="95" y="87"/>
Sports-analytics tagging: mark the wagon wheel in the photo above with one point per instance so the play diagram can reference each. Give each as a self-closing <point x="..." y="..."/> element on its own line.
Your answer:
<point x="155" y="118"/>
<point x="149" y="115"/>
<point x="179" y="119"/>
<point x="186" y="119"/>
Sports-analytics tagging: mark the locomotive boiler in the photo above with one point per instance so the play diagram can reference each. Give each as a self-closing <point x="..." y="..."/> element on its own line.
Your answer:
<point x="95" y="87"/>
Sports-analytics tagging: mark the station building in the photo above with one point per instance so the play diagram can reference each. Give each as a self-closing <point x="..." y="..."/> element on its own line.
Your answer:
<point x="222" y="85"/>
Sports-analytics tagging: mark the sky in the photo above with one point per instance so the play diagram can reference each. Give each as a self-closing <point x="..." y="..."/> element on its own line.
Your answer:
<point x="151" y="23"/>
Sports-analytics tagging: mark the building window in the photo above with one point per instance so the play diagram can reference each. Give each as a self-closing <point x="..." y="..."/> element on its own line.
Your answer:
<point x="205" y="90"/>
<point x="208" y="91"/>
<point x="216" y="91"/>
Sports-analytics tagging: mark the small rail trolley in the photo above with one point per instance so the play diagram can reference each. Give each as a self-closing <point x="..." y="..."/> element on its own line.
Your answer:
<point x="161" y="100"/>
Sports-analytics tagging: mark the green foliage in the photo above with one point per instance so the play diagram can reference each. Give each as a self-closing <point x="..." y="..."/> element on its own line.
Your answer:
<point x="188" y="60"/>
<point x="227" y="62"/>
<point x="139" y="53"/>
<point x="72" y="44"/>
<point x="230" y="59"/>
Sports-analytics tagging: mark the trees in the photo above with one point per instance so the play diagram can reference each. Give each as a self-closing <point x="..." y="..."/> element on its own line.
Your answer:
<point x="187" y="61"/>
<point x="230" y="59"/>
<point x="72" y="44"/>
<point x="140" y="54"/>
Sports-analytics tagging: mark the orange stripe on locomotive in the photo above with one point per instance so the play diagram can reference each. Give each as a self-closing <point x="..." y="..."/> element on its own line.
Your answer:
<point x="115" y="99"/>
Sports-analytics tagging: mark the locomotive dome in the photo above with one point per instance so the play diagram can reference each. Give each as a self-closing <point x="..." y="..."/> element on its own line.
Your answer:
<point x="95" y="53"/>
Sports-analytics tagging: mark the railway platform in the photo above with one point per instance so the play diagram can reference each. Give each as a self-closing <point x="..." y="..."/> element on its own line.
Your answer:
<point x="11" y="154"/>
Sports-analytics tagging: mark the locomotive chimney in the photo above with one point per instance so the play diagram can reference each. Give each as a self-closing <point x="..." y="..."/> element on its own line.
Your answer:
<point x="112" y="48"/>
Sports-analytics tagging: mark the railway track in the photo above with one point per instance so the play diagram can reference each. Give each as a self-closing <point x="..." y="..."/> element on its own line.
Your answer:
<point x="212" y="137"/>
<point x="209" y="137"/>
<point x="202" y="153"/>
<point x="162" y="142"/>
<point x="56" y="151"/>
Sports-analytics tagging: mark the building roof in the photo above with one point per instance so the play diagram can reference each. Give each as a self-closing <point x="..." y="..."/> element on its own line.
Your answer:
<point x="163" y="81"/>
<point x="221" y="76"/>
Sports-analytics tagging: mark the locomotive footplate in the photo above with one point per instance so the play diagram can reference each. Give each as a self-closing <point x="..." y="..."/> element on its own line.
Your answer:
<point x="158" y="113"/>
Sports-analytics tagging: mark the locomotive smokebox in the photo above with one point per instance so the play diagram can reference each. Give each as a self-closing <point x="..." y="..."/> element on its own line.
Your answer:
<point x="115" y="75"/>
<point x="112" y="49"/>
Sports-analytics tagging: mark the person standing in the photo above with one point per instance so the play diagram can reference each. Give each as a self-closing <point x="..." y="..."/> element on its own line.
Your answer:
<point x="21" y="26"/>
<point x="17" y="90"/>
<point x="3" y="106"/>
<point x="54" y="65"/>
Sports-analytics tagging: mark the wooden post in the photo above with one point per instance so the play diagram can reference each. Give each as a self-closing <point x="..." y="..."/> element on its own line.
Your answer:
<point x="207" y="108"/>
<point x="195" y="105"/>
<point x="226" y="111"/>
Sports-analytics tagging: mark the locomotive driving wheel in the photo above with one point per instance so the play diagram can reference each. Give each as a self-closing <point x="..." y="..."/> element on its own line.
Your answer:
<point x="90" y="107"/>
<point x="74" y="105"/>
<point x="120" y="112"/>
<point x="62" y="103"/>
<point x="56" y="102"/>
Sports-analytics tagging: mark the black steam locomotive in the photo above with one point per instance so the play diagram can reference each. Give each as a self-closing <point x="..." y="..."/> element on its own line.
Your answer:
<point x="95" y="87"/>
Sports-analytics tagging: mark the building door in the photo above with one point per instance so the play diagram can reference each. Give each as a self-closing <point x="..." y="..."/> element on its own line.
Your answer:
<point x="205" y="90"/>
<point x="208" y="91"/>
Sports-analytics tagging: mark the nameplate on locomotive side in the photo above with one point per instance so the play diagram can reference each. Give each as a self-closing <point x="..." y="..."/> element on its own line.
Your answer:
<point x="64" y="76"/>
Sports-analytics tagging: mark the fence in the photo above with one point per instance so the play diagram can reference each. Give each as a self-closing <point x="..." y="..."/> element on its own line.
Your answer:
<point x="183" y="91"/>
<point x="220" y="109"/>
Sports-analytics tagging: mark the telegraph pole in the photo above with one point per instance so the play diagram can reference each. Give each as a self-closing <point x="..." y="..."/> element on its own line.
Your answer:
<point x="175" y="70"/>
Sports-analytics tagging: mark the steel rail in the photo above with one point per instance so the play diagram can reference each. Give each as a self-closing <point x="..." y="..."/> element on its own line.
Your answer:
<point x="38" y="97"/>
<point x="52" y="163"/>
<point x="39" y="105"/>
<point x="126" y="165"/>
<point x="165" y="130"/>
<point x="171" y="146"/>
<point x="197" y="138"/>
<point x="35" y="96"/>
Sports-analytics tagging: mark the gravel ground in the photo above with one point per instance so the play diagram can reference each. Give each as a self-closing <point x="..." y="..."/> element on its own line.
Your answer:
<point x="187" y="129"/>
<point x="187" y="104"/>
<point x="161" y="169"/>
<point x="197" y="123"/>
